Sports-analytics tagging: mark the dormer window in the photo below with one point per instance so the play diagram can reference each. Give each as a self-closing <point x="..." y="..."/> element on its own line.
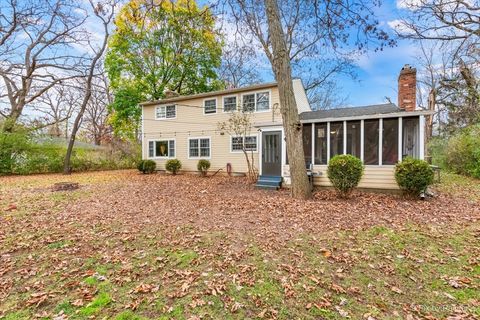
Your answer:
<point x="166" y="112"/>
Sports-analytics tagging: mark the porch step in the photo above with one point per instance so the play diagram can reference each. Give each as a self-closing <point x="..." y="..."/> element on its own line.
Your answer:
<point x="269" y="182"/>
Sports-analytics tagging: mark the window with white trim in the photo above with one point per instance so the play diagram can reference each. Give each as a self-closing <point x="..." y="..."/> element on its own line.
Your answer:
<point x="248" y="101"/>
<point x="229" y="104"/>
<point x="250" y="143"/>
<point x="259" y="101"/>
<point x="199" y="147"/>
<point x="263" y="101"/>
<point x="166" y="112"/>
<point x="161" y="149"/>
<point x="210" y="106"/>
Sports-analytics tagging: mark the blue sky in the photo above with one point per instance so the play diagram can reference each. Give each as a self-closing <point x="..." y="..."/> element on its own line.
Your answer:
<point x="377" y="72"/>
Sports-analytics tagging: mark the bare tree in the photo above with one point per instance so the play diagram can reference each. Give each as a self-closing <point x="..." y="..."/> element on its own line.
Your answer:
<point x="326" y="96"/>
<point x="57" y="106"/>
<point x="237" y="69"/>
<point x="104" y="12"/>
<point x="239" y="126"/>
<point x="36" y="51"/>
<point x="293" y="31"/>
<point x="95" y="123"/>
<point x="452" y="28"/>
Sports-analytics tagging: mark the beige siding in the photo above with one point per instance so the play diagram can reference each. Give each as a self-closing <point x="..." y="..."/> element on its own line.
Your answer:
<point x="374" y="177"/>
<point x="191" y="122"/>
<point x="300" y="96"/>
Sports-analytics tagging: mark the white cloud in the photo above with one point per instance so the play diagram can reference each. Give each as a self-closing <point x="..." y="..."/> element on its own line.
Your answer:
<point x="399" y="26"/>
<point x="409" y="4"/>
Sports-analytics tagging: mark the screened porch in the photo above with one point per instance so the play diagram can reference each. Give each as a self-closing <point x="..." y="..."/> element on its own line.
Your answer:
<point x="376" y="141"/>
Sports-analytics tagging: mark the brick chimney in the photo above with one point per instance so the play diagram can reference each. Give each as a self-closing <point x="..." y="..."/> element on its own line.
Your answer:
<point x="407" y="88"/>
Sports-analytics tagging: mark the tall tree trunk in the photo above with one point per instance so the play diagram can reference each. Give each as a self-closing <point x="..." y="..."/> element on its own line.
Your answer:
<point x="291" y="121"/>
<point x="88" y="86"/>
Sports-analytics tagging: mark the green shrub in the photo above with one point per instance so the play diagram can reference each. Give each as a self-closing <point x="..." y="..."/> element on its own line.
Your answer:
<point x="173" y="165"/>
<point x="24" y="153"/>
<point x="203" y="166"/>
<point x="462" y="154"/>
<point x="146" y="166"/>
<point x="413" y="176"/>
<point x="14" y="149"/>
<point x="345" y="172"/>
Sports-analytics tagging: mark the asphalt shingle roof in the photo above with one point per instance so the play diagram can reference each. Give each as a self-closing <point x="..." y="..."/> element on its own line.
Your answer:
<point x="351" y="112"/>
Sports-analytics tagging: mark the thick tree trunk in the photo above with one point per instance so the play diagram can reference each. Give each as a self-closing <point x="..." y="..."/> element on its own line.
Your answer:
<point x="291" y="122"/>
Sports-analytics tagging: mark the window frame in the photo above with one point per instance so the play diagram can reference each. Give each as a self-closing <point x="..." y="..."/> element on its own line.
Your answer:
<point x="236" y="103"/>
<point x="255" y="93"/>
<point x="199" y="152"/>
<point x="216" y="106"/>
<point x="243" y="142"/>
<point x="165" y="106"/>
<point x="154" y="148"/>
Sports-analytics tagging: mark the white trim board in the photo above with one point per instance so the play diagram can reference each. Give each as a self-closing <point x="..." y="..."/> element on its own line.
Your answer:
<point x="404" y="114"/>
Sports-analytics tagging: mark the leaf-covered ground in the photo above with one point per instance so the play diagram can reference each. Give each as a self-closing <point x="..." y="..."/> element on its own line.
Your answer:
<point x="131" y="246"/>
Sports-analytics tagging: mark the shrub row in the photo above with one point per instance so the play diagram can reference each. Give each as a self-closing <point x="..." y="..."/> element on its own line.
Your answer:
<point x="22" y="154"/>
<point x="172" y="165"/>
<point x="413" y="176"/>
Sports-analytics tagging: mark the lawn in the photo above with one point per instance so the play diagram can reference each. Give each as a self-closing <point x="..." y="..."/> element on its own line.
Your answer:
<point x="132" y="246"/>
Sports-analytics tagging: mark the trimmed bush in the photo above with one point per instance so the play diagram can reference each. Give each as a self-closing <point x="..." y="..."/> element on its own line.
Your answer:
<point x="146" y="166"/>
<point x="173" y="165"/>
<point x="345" y="172"/>
<point x="203" y="166"/>
<point x="413" y="176"/>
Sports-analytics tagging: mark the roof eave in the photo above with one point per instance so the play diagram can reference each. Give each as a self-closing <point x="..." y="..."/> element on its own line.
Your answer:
<point x="371" y="116"/>
<point x="209" y="94"/>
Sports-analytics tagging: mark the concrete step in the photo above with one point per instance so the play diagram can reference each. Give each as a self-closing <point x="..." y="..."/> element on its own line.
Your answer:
<point x="266" y="187"/>
<point x="269" y="183"/>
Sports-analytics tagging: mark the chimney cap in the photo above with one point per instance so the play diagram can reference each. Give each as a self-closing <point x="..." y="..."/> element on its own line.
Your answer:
<point x="408" y="69"/>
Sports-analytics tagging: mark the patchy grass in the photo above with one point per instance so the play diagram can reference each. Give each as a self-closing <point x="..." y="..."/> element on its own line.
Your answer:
<point x="460" y="186"/>
<point x="127" y="249"/>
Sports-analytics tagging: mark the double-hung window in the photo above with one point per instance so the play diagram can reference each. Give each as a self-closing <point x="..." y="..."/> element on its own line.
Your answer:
<point x="263" y="101"/>
<point x="229" y="104"/>
<point x="161" y="149"/>
<point x="248" y="102"/>
<point x="248" y="142"/>
<point x="199" y="148"/>
<point x="259" y="101"/>
<point x="210" y="106"/>
<point x="165" y="112"/>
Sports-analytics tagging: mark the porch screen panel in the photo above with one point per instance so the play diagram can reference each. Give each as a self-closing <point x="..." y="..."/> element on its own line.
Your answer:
<point x="307" y="142"/>
<point x="336" y="138"/>
<point x="370" y="141"/>
<point x="390" y="141"/>
<point x="320" y="143"/>
<point x="353" y="138"/>
<point x="410" y="138"/>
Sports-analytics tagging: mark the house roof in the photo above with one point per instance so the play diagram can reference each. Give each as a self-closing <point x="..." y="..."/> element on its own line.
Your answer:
<point x="211" y="93"/>
<point x="376" y="109"/>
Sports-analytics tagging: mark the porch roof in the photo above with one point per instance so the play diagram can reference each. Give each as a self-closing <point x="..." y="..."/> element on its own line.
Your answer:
<point x="364" y="112"/>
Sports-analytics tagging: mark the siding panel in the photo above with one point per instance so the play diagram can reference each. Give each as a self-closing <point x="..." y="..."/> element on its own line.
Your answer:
<point x="192" y="122"/>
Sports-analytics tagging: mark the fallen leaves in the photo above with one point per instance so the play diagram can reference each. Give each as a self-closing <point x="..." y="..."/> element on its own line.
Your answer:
<point x="145" y="288"/>
<point x="218" y="244"/>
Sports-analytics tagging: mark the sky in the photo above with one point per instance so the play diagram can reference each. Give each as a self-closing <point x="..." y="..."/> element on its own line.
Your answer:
<point x="377" y="72"/>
